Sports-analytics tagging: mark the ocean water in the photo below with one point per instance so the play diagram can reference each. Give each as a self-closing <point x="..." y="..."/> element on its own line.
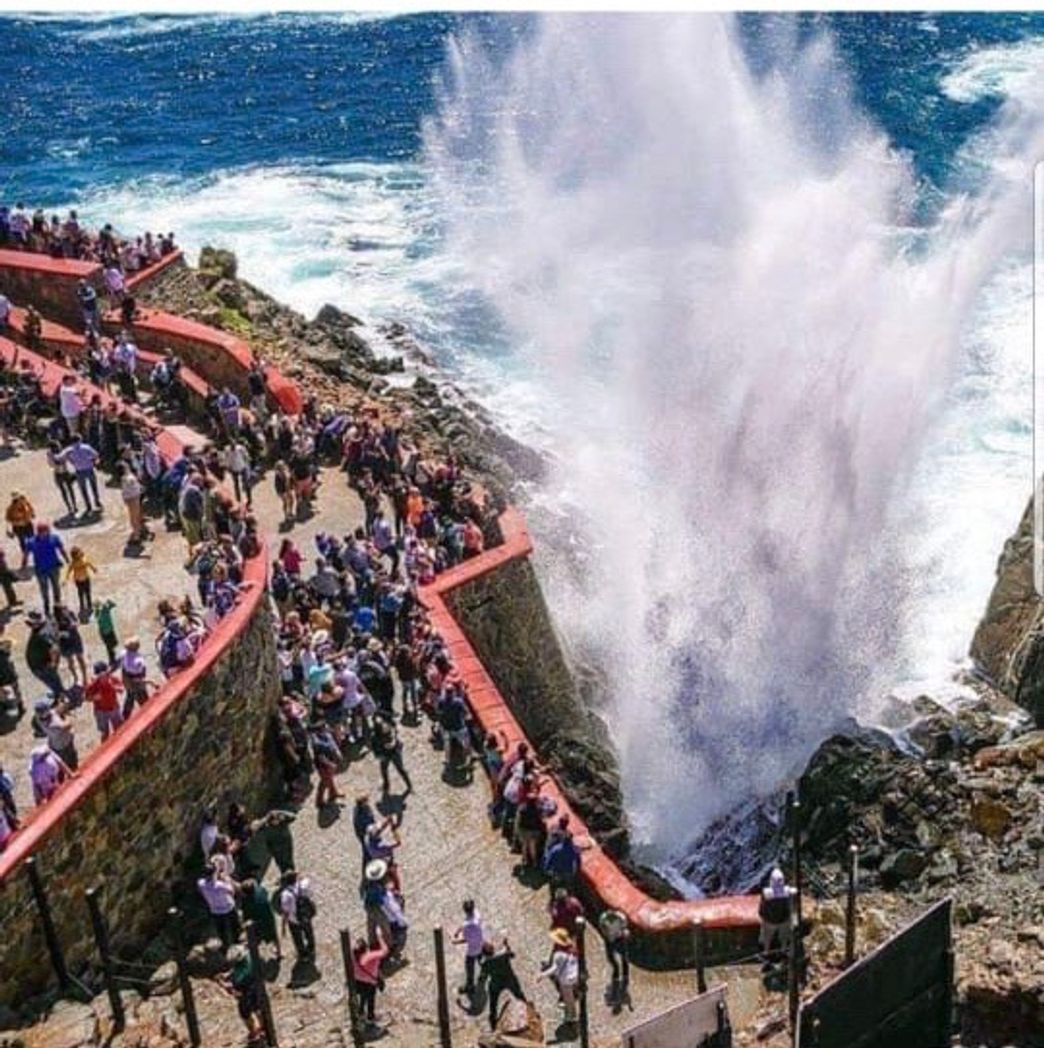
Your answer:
<point x="447" y="171"/>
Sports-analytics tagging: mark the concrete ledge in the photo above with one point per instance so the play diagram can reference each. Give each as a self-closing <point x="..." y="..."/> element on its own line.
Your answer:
<point x="103" y="759"/>
<point x="59" y="339"/>
<point x="143" y="276"/>
<point x="221" y="358"/>
<point x="61" y="268"/>
<point x="662" y="931"/>
<point x="49" y="283"/>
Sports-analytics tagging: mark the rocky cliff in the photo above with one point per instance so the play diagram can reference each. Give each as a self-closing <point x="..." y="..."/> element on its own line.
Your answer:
<point x="1009" y="643"/>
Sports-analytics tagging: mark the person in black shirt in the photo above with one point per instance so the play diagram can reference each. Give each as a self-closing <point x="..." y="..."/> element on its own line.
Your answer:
<point x="387" y="748"/>
<point x="497" y="973"/>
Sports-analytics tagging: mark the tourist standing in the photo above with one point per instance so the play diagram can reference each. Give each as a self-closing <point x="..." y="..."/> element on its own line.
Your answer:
<point x="616" y="935"/>
<point x="83" y="459"/>
<point x="64" y="477"/>
<point x="135" y="676"/>
<point x="105" y="620"/>
<point x="471" y="936"/>
<point x="219" y="894"/>
<point x="103" y="693"/>
<point x="47" y="771"/>
<point x="367" y="958"/>
<point x="48" y="553"/>
<point x="563" y="969"/>
<point x="80" y="569"/>
<point x="499" y="976"/>
<point x="298" y="910"/>
<point x="41" y="653"/>
<point x="20" y="517"/>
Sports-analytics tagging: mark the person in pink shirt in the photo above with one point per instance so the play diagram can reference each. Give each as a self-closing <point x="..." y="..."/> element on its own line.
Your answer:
<point x="366" y="964"/>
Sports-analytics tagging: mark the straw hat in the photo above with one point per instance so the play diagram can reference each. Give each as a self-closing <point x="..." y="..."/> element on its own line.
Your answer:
<point x="376" y="870"/>
<point x="560" y="937"/>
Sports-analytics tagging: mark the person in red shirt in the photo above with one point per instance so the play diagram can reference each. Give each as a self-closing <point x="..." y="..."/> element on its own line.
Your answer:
<point x="103" y="693"/>
<point x="566" y="910"/>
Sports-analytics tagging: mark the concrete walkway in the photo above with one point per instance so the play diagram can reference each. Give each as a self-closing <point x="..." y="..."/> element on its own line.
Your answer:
<point x="449" y="853"/>
<point x="136" y="579"/>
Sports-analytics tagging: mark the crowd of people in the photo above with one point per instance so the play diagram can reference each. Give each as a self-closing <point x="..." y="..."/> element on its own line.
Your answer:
<point x="25" y="230"/>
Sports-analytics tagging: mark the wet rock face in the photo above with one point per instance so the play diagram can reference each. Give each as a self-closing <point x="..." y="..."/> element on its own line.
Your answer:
<point x="1009" y="642"/>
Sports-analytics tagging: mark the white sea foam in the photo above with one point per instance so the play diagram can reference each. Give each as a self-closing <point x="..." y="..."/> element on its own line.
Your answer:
<point x="742" y="351"/>
<point x="1004" y="70"/>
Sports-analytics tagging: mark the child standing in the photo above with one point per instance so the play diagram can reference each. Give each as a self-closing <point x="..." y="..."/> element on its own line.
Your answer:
<point x="106" y="623"/>
<point x="79" y="570"/>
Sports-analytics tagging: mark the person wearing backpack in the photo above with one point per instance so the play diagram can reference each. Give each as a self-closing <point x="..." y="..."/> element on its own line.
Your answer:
<point x="298" y="910"/>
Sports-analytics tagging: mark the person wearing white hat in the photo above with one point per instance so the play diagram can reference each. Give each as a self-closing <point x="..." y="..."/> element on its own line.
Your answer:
<point x="47" y="771"/>
<point x="774" y="911"/>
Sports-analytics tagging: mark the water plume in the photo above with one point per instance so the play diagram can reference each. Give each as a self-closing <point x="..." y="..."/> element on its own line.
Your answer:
<point x="740" y="334"/>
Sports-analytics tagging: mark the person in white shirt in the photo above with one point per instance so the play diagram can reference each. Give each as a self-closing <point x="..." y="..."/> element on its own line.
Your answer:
<point x="564" y="971"/>
<point x="471" y="935"/>
<point x="298" y="910"/>
<point x="219" y="894"/>
<point x="237" y="462"/>
<point x="70" y="404"/>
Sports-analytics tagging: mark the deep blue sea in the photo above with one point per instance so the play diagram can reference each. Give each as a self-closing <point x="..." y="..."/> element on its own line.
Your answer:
<point x="300" y="142"/>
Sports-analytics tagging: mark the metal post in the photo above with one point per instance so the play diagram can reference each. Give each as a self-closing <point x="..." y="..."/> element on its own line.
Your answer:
<point x="724" y="1030"/>
<point x="259" y="985"/>
<point x="54" y="948"/>
<point x="356" y="1029"/>
<point x="700" y="936"/>
<point x="795" y="831"/>
<point x="793" y="979"/>
<point x="187" y="997"/>
<point x="445" y="1040"/>
<point x="850" y="909"/>
<point x="581" y="946"/>
<point x="101" y="937"/>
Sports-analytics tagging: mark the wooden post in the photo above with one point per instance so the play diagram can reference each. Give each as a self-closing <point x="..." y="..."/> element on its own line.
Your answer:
<point x="581" y="945"/>
<point x="259" y="985"/>
<point x="54" y="947"/>
<point x="356" y="1029"/>
<point x="101" y="938"/>
<point x="187" y="997"/>
<point x="700" y="936"/>
<point x="850" y="908"/>
<point x="445" y="1038"/>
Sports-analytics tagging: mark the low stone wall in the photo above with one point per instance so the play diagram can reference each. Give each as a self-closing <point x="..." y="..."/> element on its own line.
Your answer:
<point x="48" y="283"/>
<point x="221" y="358"/>
<point x="131" y="820"/>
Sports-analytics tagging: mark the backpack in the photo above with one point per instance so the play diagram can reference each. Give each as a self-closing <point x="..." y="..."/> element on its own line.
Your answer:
<point x="168" y="650"/>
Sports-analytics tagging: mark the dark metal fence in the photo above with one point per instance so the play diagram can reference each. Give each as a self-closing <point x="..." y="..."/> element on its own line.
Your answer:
<point x="899" y="996"/>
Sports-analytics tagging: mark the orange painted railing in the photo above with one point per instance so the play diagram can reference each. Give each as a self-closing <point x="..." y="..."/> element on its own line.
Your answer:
<point x="32" y="262"/>
<point x="146" y="274"/>
<point x="103" y="759"/>
<point x="600" y="873"/>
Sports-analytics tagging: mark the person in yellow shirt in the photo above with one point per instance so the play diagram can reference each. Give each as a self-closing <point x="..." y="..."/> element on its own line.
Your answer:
<point x="80" y="569"/>
<point x="20" y="516"/>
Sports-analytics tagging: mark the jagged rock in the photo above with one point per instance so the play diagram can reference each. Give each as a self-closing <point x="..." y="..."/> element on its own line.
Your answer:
<point x="1009" y="642"/>
<point x="990" y="817"/>
<point x="230" y="294"/>
<point x="164" y="979"/>
<point x="1025" y="751"/>
<point x="206" y="959"/>
<point x="218" y="260"/>
<point x="330" y="316"/>
<point x="903" y="865"/>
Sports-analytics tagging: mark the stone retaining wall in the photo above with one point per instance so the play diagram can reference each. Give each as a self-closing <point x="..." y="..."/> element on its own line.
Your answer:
<point x="48" y="283"/>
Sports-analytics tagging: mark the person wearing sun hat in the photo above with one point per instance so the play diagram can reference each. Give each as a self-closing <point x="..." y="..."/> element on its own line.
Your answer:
<point x="563" y="969"/>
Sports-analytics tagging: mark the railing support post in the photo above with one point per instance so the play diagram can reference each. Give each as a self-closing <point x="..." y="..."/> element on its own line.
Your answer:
<point x="850" y="908"/>
<point x="184" y="982"/>
<point x="356" y="1029"/>
<point x="54" y="947"/>
<point x="101" y="938"/>
<point x="445" y="1038"/>
<point x="700" y="938"/>
<point x="581" y="944"/>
